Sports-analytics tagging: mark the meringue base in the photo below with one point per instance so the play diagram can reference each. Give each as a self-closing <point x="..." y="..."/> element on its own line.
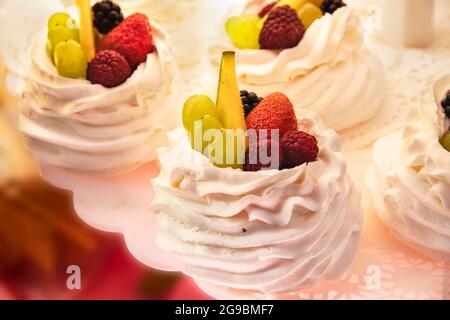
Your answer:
<point x="425" y="234"/>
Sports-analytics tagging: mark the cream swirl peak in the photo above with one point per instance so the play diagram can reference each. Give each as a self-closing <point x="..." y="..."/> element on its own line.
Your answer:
<point x="267" y="232"/>
<point x="88" y="128"/>
<point x="410" y="181"/>
<point x="330" y="71"/>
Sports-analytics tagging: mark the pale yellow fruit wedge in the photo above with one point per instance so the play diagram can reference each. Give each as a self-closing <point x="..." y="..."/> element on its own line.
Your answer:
<point x="87" y="34"/>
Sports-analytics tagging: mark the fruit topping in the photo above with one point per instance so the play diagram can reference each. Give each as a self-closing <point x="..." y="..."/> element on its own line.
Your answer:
<point x="196" y="108"/>
<point x="282" y="30"/>
<point x="198" y="133"/>
<point x="107" y="16"/>
<point x="263" y="155"/>
<point x="70" y="61"/>
<point x="249" y="101"/>
<point x="132" y="39"/>
<point x="61" y="19"/>
<point x="72" y="48"/>
<point x="275" y="112"/>
<point x="267" y="140"/>
<point x="298" y="148"/>
<point x="108" y="68"/>
<point x="87" y="36"/>
<point x="445" y="141"/>
<point x="330" y="6"/>
<point x="278" y="25"/>
<point x="293" y="4"/>
<point x="244" y="32"/>
<point x="61" y="27"/>
<point x="446" y="104"/>
<point x="228" y="96"/>
<point x="264" y="11"/>
<point x="309" y="13"/>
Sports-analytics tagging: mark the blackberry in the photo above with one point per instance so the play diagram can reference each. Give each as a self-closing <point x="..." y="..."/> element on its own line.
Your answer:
<point x="107" y="16"/>
<point x="446" y="104"/>
<point x="249" y="101"/>
<point x="330" y="6"/>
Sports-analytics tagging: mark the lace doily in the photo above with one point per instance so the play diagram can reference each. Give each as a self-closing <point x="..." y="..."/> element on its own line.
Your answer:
<point x="410" y="74"/>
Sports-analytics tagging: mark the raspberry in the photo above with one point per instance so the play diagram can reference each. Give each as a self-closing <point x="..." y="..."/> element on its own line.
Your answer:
<point x="275" y="112"/>
<point x="253" y="161"/>
<point x="282" y="30"/>
<point x="249" y="101"/>
<point x="108" y="68"/>
<point x="132" y="39"/>
<point x="298" y="148"/>
<point x="107" y="16"/>
<point x="267" y="9"/>
<point x="330" y="6"/>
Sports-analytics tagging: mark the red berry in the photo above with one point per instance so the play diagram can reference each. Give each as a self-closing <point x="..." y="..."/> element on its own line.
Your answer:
<point x="254" y="161"/>
<point x="267" y="9"/>
<point x="132" y="39"/>
<point x="275" y="112"/>
<point x="282" y="30"/>
<point x="298" y="148"/>
<point x="108" y="68"/>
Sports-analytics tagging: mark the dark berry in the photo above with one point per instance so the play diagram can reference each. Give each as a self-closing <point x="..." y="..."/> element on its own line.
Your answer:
<point x="107" y="16"/>
<point x="447" y="112"/>
<point x="249" y="101"/>
<point x="264" y="11"/>
<point x="330" y="6"/>
<point x="446" y="104"/>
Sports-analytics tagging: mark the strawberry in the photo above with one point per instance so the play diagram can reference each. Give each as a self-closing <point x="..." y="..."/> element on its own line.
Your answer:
<point x="132" y="39"/>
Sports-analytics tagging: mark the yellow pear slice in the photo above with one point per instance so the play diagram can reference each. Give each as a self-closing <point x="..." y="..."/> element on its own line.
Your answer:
<point x="229" y="105"/>
<point x="87" y="35"/>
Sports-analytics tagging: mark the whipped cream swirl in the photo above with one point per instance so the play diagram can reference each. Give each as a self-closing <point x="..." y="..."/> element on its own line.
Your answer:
<point x="410" y="182"/>
<point x="330" y="71"/>
<point x="269" y="232"/>
<point x="91" y="129"/>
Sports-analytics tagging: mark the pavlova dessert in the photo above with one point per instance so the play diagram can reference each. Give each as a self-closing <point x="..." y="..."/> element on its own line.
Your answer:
<point x="181" y="19"/>
<point x="99" y="91"/>
<point x="314" y="52"/>
<point x="257" y="200"/>
<point x="410" y="179"/>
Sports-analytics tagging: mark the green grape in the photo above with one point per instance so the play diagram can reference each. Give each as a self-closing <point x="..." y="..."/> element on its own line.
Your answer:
<point x="61" y="19"/>
<point x="228" y="151"/>
<point x="244" y="32"/>
<point x="70" y="60"/>
<point x="445" y="141"/>
<point x="200" y="129"/>
<point x="59" y="34"/>
<point x="195" y="108"/>
<point x="49" y="49"/>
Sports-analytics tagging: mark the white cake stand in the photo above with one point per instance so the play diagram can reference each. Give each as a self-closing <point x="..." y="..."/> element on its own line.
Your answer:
<point x="384" y="268"/>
